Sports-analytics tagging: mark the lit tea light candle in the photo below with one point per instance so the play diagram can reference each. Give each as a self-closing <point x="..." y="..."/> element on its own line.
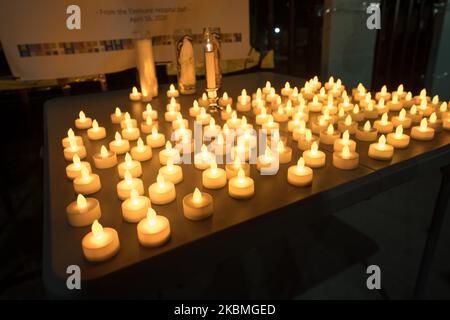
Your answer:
<point x="315" y="83"/>
<point x="172" y="92"/>
<point x="73" y="170"/>
<point x="86" y="183"/>
<point x="305" y="141"/>
<point x="421" y="96"/>
<point x="119" y="145"/>
<point x="284" y="153"/>
<point x="267" y="88"/>
<point x="339" y="144"/>
<point x="130" y="133"/>
<point x="422" y="132"/>
<point x="299" y="131"/>
<point x="270" y="125"/>
<point x="262" y="117"/>
<point x="141" y="152"/>
<point x="241" y="186"/>
<point x="117" y="116"/>
<point x="135" y="208"/>
<point x="149" y="113"/>
<point x="129" y="183"/>
<point x="329" y="136"/>
<point x="383" y="125"/>
<point x="340" y="115"/>
<point x="233" y="168"/>
<point x="314" y="158"/>
<point x="100" y="244"/>
<point x="172" y="172"/>
<point x="307" y="91"/>
<point x="71" y="136"/>
<point x="300" y="175"/>
<point x="171" y="114"/>
<point x="435" y="102"/>
<point x="203" y="101"/>
<point x="128" y="122"/>
<point x="105" y="159"/>
<point x="155" y="139"/>
<point x="96" y="132"/>
<point x="287" y="90"/>
<point x="226" y="113"/>
<point x="271" y="96"/>
<point x="330" y="105"/>
<point x="219" y="146"/>
<point x="74" y="149"/>
<point x="383" y="94"/>
<point x="345" y="159"/>
<point x="319" y="124"/>
<point x="357" y="115"/>
<point x="359" y="93"/>
<point x="408" y="101"/>
<point x="83" y="212"/>
<point x="402" y="120"/>
<point x="83" y="122"/>
<point x="367" y="100"/>
<point x="443" y="111"/>
<point x="425" y="108"/>
<point x="173" y="105"/>
<point x="322" y="97"/>
<point x="203" y="159"/>
<point x="194" y="110"/>
<point x="130" y="165"/>
<point x="267" y="160"/>
<point x="180" y="122"/>
<point x="415" y="115"/>
<point x="162" y="191"/>
<point x="203" y="118"/>
<point x="212" y="129"/>
<point x="348" y="125"/>
<point x="435" y="123"/>
<point x="214" y="177"/>
<point x="380" y="150"/>
<point x="289" y="110"/>
<point x="329" y="85"/>
<point x="346" y="105"/>
<point x="381" y="107"/>
<point x="398" y="140"/>
<point x="234" y="122"/>
<point x="295" y="123"/>
<point x="198" y="205"/>
<point x="395" y="104"/>
<point x="181" y="132"/>
<point x="244" y="102"/>
<point x="400" y="92"/>
<point x="280" y="115"/>
<point x="366" y="133"/>
<point x="154" y="230"/>
<point x="225" y="100"/>
<point x="169" y="152"/>
<point x="148" y="124"/>
<point x="370" y="112"/>
<point x="135" y="95"/>
<point x="294" y="95"/>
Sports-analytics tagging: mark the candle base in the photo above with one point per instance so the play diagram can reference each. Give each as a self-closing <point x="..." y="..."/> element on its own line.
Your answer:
<point x="363" y="135"/>
<point x="299" y="180"/>
<point x="69" y="152"/>
<point x="97" y="254"/>
<point x="385" y="154"/>
<point x="422" y="135"/>
<point x="83" y="187"/>
<point x="217" y="182"/>
<point x="105" y="163"/>
<point x="154" y="238"/>
<point x="162" y="195"/>
<point x="345" y="163"/>
<point x="398" y="142"/>
<point x="194" y="212"/>
<point x="387" y="127"/>
<point x="406" y="122"/>
<point x="132" y="214"/>
<point x="241" y="191"/>
<point x="328" y="139"/>
<point x="83" y="217"/>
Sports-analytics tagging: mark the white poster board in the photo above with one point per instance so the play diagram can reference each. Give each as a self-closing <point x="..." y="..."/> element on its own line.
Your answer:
<point x="38" y="45"/>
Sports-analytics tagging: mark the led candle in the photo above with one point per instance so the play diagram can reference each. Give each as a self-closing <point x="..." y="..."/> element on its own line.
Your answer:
<point x="329" y="85"/>
<point x="270" y="125"/>
<point x="74" y="149"/>
<point x="130" y="165"/>
<point x="226" y="113"/>
<point x="280" y="115"/>
<point x="171" y="114"/>
<point x="289" y="110"/>
<point x="241" y="186"/>
<point x="422" y="132"/>
<point x="154" y="230"/>
<point x="71" y="136"/>
<point x="394" y="104"/>
<point x="169" y="152"/>
<point x="299" y="131"/>
<point x="276" y="103"/>
<point x="135" y="208"/>
<point x="408" y="101"/>
<point x="96" y="132"/>
<point x="129" y="183"/>
<point x="148" y="124"/>
<point x="225" y="100"/>
<point x="198" y="205"/>
<point x="329" y="136"/>
<point x="357" y="115"/>
<point x="348" y="125"/>
<point x="345" y="159"/>
<point x="194" y="110"/>
<point x="415" y="115"/>
<point x="149" y="113"/>
<point x="267" y="88"/>
<point x="398" y="140"/>
<point x="141" y="152"/>
<point x="105" y="159"/>
<point x="400" y="92"/>
<point x="266" y="160"/>
<point x="381" y="107"/>
<point x="100" y="244"/>
<point x="83" y="122"/>
<point x="135" y="95"/>
<point x="294" y="95"/>
<point x="162" y="191"/>
<point x="319" y="124"/>
<point x="203" y="118"/>
<point x="212" y="130"/>
<point x="380" y="150"/>
<point x="341" y="115"/>
<point x="155" y="139"/>
<point x="443" y="112"/>
<point x="130" y="133"/>
<point x="314" y="158"/>
<point x="171" y="172"/>
<point x="322" y="97"/>
<point x="203" y="101"/>
<point x="244" y="102"/>
<point x="271" y="96"/>
<point x="284" y="153"/>
<point x="173" y="105"/>
<point x="383" y="125"/>
<point x="214" y="177"/>
<point x="435" y="123"/>
<point x="300" y="175"/>
<point x="421" y="96"/>
<point x="366" y="133"/>
<point x="287" y="90"/>
<point x="179" y="122"/>
<point x="117" y="116"/>
<point x="86" y="183"/>
<point x="203" y="159"/>
<point x="367" y="100"/>
<point x="119" y="145"/>
<point x="383" y="94"/>
<point x="339" y="144"/>
<point x="233" y="168"/>
<point x="425" y="108"/>
<point x="83" y="211"/>
<point x="305" y="142"/>
<point x="219" y="146"/>
<point x="181" y="132"/>
<point x="172" y="92"/>
<point x="330" y="105"/>
<point x="241" y="150"/>
<point x="370" y="112"/>
<point x="307" y="92"/>
<point x="402" y="120"/>
<point x="128" y="122"/>
<point x="346" y="105"/>
<point x="359" y="93"/>
<point x="295" y="122"/>
<point x="73" y="170"/>
<point x="434" y="102"/>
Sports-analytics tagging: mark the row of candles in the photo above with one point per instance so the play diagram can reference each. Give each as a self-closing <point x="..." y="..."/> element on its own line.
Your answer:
<point x="270" y="111"/>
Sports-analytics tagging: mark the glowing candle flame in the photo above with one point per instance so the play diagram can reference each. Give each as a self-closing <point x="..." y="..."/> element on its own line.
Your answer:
<point x="127" y="117"/>
<point x="213" y="167"/>
<point x="382" y="141"/>
<point x="172" y="88"/>
<point x="330" y="129"/>
<point x="268" y="85"/>
<point x="117" y="112"/>
<point x="345" y="137"/>
<point x="179" y="116"/>
<point x="85" y="175"/>
<point x="399" y="132"/>
<point x="81" y="202"/>
<point x="160" y="181"/>
<point x="128" y="160"/>
<point x="228" y="108"/>
<point x="383" y="90"/>
<point x="168" y="146"/>
<point x="243" y="96"/>
<point x="308" y="135"/>
<point x="197" y="196"/>
<point x="360" y="87"/>
<point x="356" y="109"/>
<point x="423" y="93"/>
<point x="400" y="89"/>
<point x="345" y="152"/>
<point x="413" y="110"/>
<point x="301" y="164"/>
<point x="380" y="103"/>
<point x="402" y="115"/>
<point x="348" y="120"/>
<point x="73" y="144"/>
<point x="280" y="147"/>
<point x="384" y="118"/>
<point x="234" y="116"/>
<point x="76" y="160"/>
<point x="95" y="125"/>
<point x="443" y="107"/>
<point x="395" y="98"/>
<point x="128" y="177"/>
<point x="70" y="134"/>
<point x="408" y="96"/>
<point x="148" y="121"/>
<point x="435" y="99"/>
<point x="241" y="176"/>
<point x="423" y="104"/>
<point x="331" y="80"/>
<point x="151" y="216"/>
<point x="322" y="121"/>
<point x="367" y="126"/>
<point x="204" y="96"/>
<point x="314" y="148"/>
<point x="316" y="99"/>
<point x="341" y="112"/>
<point x="302" y="125"/>
<point x="104" y="152"/>
<point x="258" y="94"/>
<point x="169" y="164"/>
<point x="330" y="101"/>
<point x="287" y="85"/>
<point x="263" y="112"/>
<point x="322" y="92"/>
<point x="278" y="101"/>
<point x="82" y="116"/>
<point x="173" y="102"/>
<point x="140" y="144"/>
<point x="134" y="91"/>
<point x="423" y="124"/>
<point x="433" y="117"/>
<point x="134" y="196"/>
<point x="195" y="105"/>
<point x="97" y="229"/>
<point x="270" y="121"/>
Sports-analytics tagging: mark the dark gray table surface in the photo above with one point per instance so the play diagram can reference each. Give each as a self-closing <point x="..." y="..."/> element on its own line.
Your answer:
<point x="235" y="225"/>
